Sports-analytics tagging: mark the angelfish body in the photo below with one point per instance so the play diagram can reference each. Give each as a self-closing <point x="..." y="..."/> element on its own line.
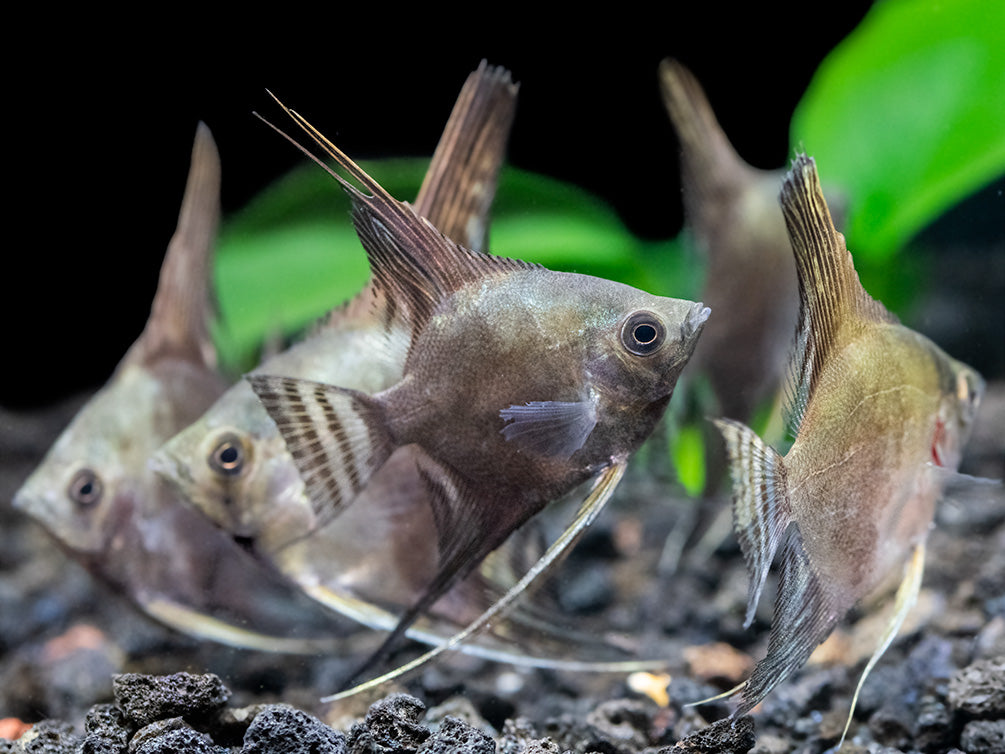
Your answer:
<point x="519" y="384"/>
<point x="882" y="416"/>
<point x="96" y="495"/>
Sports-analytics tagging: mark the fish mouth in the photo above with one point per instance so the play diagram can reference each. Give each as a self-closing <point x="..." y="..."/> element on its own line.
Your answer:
<point x="695" y="321"/>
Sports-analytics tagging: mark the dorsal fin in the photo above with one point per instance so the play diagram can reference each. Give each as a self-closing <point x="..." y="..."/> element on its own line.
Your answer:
<point x="178" y="323"/>
<point x="410" y="260"/>
<point x="830" y="294"/>
<point x="460" y="184"/>
<point x="709" y="159"/>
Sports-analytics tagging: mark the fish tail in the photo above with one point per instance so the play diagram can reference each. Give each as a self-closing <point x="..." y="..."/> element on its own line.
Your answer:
<point x="338" y="437"/>
<point x="761" y="511"/>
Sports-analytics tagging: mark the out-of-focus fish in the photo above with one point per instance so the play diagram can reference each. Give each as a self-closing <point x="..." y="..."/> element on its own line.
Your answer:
<point x="882" y="416"/>
<point x="97" y="497"/>
<point x="732" y="214"/>
<point x="233" y="465"/>
<point x="520" y="383"/>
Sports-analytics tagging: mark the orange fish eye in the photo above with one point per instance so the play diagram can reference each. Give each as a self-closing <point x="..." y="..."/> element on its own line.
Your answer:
<point x="228" y="455"/>
<point x="85" y="487"/>
<point x="643" y="333"/>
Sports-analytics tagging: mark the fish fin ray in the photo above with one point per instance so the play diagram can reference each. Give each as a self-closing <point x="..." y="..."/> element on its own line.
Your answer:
<point x="468" y="528"/>
<point x="761" y="512"/>
<point x="336" y="436"/>
<point x="553" y="428"/>
<point x="411" y="261"/>
<point x="805" y="614"/>
<point x="588" y="511"/>
<point x="460" y="184"/>
<point x="194" y="623"/>
<point x="907" y="596"/>
<point x="830" y="293"/>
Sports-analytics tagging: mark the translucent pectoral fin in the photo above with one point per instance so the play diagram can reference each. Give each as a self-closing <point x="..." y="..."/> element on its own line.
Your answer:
<point x="551" y="428"/>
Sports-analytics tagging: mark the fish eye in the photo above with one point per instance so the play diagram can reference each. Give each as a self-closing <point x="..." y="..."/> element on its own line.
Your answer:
<point x="228" y="455"/>
<point x="643" y="333"/>
<point x="85" y="487"/>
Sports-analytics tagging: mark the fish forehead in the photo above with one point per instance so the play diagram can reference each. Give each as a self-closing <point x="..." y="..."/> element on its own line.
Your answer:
<point x="568" y="303"/>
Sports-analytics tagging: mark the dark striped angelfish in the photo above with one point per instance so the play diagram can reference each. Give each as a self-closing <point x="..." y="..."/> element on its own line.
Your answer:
<point x="519" y="384"/>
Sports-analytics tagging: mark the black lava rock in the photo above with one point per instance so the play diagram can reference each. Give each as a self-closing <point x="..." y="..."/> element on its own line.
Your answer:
<point x="146" y="698"/>
<point x="457" y="737"/>
<point x="282" y="729"/>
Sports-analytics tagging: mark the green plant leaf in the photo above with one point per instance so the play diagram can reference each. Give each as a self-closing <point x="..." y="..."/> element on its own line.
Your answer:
<point x="907" y="115"/>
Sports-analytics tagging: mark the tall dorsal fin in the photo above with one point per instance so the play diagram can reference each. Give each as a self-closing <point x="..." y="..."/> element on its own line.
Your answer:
<point x="410" y="260"/>
<point x="707" y="154"/>
<point x="830" y="294"/>
<point x="460" y="184"/>
<point x="178" y="323"/>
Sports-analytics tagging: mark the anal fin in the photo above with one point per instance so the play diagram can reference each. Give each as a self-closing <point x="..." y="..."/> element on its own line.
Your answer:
<point x="760" y="503"/>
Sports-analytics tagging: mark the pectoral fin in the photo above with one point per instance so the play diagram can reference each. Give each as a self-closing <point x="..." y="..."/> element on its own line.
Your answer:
<point x="336" y="437"/>
<point x="587" y="513"/>
<point x="551" y="428"/>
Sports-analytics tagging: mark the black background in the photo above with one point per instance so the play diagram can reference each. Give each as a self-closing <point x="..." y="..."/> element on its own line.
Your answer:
<point x="102" y="112"/>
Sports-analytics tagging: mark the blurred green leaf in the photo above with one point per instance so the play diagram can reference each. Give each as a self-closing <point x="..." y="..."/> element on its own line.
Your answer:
<point x="907" y="115"/>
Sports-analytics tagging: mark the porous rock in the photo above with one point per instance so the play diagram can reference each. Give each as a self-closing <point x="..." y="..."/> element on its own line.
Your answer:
<point x="979" y="689"/>
<point x="457" y="737"/>
<point x="393" y="723"/>
<point x="147" y="698"/>
<point x="721" y="737"/>
<point x="282" y="729"/>
<point x="983" y="737"/>
<point x="171" y="736"/>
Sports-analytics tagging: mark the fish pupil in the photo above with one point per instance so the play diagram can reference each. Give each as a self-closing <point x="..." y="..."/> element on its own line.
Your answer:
<point x="643" y="333"/>
<point x="85" y="487"/>
<point x="228" y="457"/>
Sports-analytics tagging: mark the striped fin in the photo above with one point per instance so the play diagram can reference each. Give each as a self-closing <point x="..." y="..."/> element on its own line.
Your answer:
<point x="805" y="614"/>
<point x="830" y="293"/>
<point x="335" y="436"/>
<point x="761" y="511"/>
<point x="460" y="184"/>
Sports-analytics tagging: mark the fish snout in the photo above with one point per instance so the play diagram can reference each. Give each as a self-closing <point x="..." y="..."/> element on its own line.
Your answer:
<point x="692" y="326"/>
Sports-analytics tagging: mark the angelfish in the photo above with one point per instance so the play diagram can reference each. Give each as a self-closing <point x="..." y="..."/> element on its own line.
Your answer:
<point x="96" y="496"/>
<point x="233" y="465"/>
<point x="881" y="416"/>
<point x="519" y="384"/>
